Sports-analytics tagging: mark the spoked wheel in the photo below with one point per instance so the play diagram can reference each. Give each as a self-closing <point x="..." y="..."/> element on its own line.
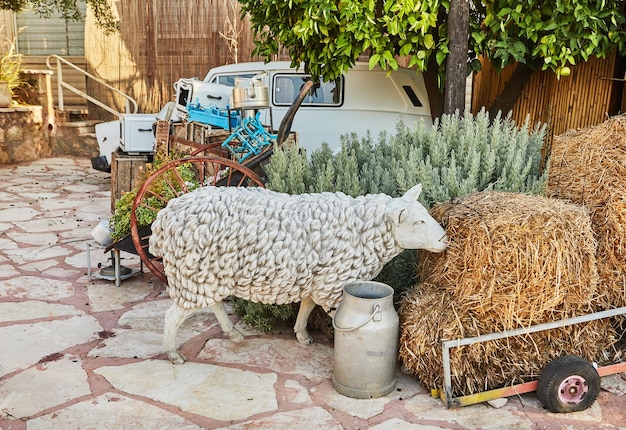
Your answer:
<point x="174" y="179"/>
<point x="568" y="384"/>
<point x="211" y="150"/>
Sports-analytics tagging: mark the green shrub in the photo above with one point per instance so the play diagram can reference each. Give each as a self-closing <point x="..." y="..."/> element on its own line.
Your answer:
<point x="455" y="157"/>
<point x="11" y="66"/>
<point x="165" y="186"/>
<point x="261" y="316"/>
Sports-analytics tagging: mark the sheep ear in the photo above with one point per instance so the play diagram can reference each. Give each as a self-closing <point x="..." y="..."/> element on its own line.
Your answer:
<point x="413" y="193"/>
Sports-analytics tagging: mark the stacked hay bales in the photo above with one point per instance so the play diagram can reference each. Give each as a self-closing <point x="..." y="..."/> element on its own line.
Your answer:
<point x="588" y="167"/>
<point x="513" y="261"/>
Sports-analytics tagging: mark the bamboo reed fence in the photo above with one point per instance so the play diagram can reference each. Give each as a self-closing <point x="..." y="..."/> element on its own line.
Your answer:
<point x="161" y="42"/>
<point x="585" y="98"/>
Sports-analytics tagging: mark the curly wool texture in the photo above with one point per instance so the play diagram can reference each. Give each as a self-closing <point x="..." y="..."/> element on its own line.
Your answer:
<point x="270" y="247"/>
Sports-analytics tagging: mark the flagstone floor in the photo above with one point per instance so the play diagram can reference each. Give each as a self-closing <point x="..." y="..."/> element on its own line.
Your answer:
<point x="81" y="353"/>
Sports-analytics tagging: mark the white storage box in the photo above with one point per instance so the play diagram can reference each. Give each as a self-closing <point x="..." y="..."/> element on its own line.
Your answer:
<point x="137" y="135"/>
<point x="199" y="92"/>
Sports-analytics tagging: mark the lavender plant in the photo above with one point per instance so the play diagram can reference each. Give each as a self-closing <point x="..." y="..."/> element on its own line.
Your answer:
<point x="456" y="156"/>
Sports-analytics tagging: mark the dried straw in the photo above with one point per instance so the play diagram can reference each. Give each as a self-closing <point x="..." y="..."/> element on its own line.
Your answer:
<point x="513" y="261"/>
<point x="588" y="167"/>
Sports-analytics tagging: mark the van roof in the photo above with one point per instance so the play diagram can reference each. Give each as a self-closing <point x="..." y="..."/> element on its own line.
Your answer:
<point x="273" y="66"/>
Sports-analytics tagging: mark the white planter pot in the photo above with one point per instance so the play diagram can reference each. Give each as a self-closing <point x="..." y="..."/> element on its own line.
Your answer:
<point x="5" y="94"/>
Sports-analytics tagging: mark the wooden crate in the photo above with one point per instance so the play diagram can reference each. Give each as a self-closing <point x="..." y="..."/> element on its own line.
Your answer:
<point x="125" y="174"/>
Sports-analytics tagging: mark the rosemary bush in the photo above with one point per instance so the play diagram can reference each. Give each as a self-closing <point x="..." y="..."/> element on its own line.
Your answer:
<point x="457" y="156"/>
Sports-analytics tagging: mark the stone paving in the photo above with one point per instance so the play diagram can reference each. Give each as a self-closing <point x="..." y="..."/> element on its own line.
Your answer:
<point x="77" y="353"/>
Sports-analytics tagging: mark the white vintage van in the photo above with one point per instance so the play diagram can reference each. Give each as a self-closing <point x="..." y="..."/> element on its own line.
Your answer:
<point x="358" y="101"/>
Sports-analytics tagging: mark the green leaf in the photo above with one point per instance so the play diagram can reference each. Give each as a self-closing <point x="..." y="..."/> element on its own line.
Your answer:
<point x="504" y="11"/>
<point x="550" y="26"/>
<point x="429" y="41"/>
<point x="405" y="50"/>
<point x="374" y="59"/>
<point x="440" y="57"/>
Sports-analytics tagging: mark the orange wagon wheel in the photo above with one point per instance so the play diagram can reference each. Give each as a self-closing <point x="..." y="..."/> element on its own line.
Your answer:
<point x="174" y="179"/>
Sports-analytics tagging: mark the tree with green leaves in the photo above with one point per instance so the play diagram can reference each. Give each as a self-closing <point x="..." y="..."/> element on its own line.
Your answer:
<point x="545" y="35"/>
<point x="328" y="36"/>
<point x="67" y="8"/>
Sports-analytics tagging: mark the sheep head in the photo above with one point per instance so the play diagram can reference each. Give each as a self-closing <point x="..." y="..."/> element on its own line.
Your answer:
<point x="413" y="227"/>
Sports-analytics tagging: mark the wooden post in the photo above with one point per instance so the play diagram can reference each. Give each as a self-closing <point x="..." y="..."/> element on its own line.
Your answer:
<point x="151" y="44"/>
<point x="126" y="174"/>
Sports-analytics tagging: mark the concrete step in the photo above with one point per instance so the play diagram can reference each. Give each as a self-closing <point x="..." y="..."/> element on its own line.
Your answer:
<point x="81" y="128"/>
<point x="76" y="113"/>
<point x="77" y="138"/>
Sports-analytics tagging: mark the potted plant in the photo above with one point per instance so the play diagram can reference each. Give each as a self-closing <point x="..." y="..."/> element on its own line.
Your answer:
<point x="10" y="76"/>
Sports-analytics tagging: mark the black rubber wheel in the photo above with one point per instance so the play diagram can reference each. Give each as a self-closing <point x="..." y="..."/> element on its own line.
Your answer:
<point x="568" y="384"/>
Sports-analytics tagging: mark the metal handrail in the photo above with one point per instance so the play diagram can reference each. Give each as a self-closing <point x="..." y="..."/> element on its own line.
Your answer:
<point x="61" y="84"/>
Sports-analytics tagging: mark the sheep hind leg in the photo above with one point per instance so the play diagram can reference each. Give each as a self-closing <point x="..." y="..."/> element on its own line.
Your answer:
<point x="227" y="326"/>
<point x="174" y="317"/>
<point x="306" y="307"/>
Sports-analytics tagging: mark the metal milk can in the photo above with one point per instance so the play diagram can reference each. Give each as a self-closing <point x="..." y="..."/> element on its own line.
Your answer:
<point x="366" y="341"/>
<point x="250" y="93"/>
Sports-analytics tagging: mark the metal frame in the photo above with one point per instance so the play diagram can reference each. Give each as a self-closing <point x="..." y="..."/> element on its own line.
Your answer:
<point x="447" y="395"/>
<point x="116" y="260"/>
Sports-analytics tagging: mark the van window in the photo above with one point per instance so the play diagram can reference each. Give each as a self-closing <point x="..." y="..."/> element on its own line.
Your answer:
<point x="412" y="96"/>
<point x="230" y="79"/>
<point x="287" y="86"/>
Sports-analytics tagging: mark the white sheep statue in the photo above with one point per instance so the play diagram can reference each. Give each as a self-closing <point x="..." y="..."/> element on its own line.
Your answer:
<point x="277" y="248"/>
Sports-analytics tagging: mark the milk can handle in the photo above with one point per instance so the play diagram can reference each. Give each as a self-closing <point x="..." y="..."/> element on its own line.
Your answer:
<point x="374" y="312"/>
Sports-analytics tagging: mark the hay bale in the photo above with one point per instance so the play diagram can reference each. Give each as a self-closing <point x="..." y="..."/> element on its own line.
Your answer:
<point x="513" y="261"/>
<point x="588" y="167"/>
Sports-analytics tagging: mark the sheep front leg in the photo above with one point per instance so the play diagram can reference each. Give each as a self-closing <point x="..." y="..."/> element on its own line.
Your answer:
<point x="174" y="317"/>
<point x="227" y="326"/>
<point x="306" y="307"/>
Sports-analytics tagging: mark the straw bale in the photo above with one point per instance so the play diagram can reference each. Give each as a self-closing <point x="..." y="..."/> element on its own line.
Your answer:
<point x="513" y="261"/>
<point x="588" y="167"/>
